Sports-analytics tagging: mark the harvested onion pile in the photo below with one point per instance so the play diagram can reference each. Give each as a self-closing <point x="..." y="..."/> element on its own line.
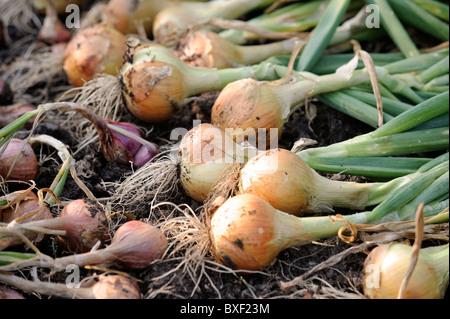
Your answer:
<point x="155" y="149"/>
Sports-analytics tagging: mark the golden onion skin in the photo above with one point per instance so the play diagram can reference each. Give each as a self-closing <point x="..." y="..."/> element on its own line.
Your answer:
<point x="242" y="233"/>
<point x="153" y="91"/>
<point x="281" y="178"/>
<point x="126" y="14"/>
<point x="94" y="50"/>
<point x="204" y="48"/>
<point x="171" y="23"/>
<point x="245" y="106"/>
<point x="389" y="264"/>
<point x="248" y="233"/>
<point x="203" y="161"/>
<point x="116" y="287"/>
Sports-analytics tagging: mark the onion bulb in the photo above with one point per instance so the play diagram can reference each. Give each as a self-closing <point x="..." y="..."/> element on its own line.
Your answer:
<point x="19" y="156"/>
<point x="52" y="30"/>
<point x="157" y="84"/>
<point x="207" y="49"/>
<point x="251" y="104"/>
<point x="135" y="245"/>
<point x="247" y="233"/>
<point x="116" y="287"/>
<point x="101" y="287"/>
<point x="205" y="156"/>
<point x="284" y="180"/>
<point x="126" y="15"/>
<point x="171" y="23"/>
<point x="8" y="293"/>
<point x="386" y="266"/>
<point x="28" y="204"/>
<point x="94" y="50"/>
<point x="127" y="147"/>
<point x="85" y="224"/>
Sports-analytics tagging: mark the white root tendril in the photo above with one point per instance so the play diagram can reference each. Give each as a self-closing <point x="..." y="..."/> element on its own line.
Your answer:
<point x="43" y="65"/>
<point x="20" y="15"/>
<point x="103" y="96"/>
<point x="156" y="180"/>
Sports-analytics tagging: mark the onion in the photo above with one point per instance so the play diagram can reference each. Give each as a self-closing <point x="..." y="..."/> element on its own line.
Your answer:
<point x="386" y="266"/>
<point x="268" y="105"/>
<point x="126" y="15"/>
<point x="94" y="50"/>
<point x="85" y="224"/>
<point x="171" y="23"/>
<point x="132" y="148"/>
<point x="52" y="30"/>
<point x="8" y="293"/>
<point x="207" y="49"/>
<point x="105" y="287"/>
<point x="27" y="204"/>
<point x="22" y="156"/>
<point x="206" y="155"/>
<point x="285" y="181"/>
<point x="258" y="109"/>
<point x="157" y="84"/>
<point x="135" y="245"/>
<point x="247" y="233"/>
<point x="116" y="287"/>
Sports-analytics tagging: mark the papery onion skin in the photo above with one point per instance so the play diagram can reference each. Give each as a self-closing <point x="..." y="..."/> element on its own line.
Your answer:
<point x="116" y="287"/>
<point x="138" y="244"/>
<point x="26" y="166"/>
<point x="283" y="179"/>
<point x="126" y="14"/>
<point x="94" y="50"/>
<point x="248" y="233"/>
<point x="153" y="89"/>
<point x="287" y="183"/>
<point x="28" y="204"/>
<point x="207" y="49"/>
<point x="7" y="293"/>
<point x="245" y="106"/>
<point x="87" y="225"/>
<point x="389" y="264"/>
<point x="203" y="155"/>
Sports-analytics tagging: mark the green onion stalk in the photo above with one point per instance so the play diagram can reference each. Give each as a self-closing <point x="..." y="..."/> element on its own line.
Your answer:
<point x="296" y="17"/>
<point x="393" y="138"/>
<point x="418" y="17"/>
<point x="9" y="257"/>
<point x="437" y="8"/>
<point x="394" y="27"/>
<point x="287" y="183"/>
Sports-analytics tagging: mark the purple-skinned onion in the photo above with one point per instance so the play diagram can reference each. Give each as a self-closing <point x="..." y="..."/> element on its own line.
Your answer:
<point x="25" y="167"/>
